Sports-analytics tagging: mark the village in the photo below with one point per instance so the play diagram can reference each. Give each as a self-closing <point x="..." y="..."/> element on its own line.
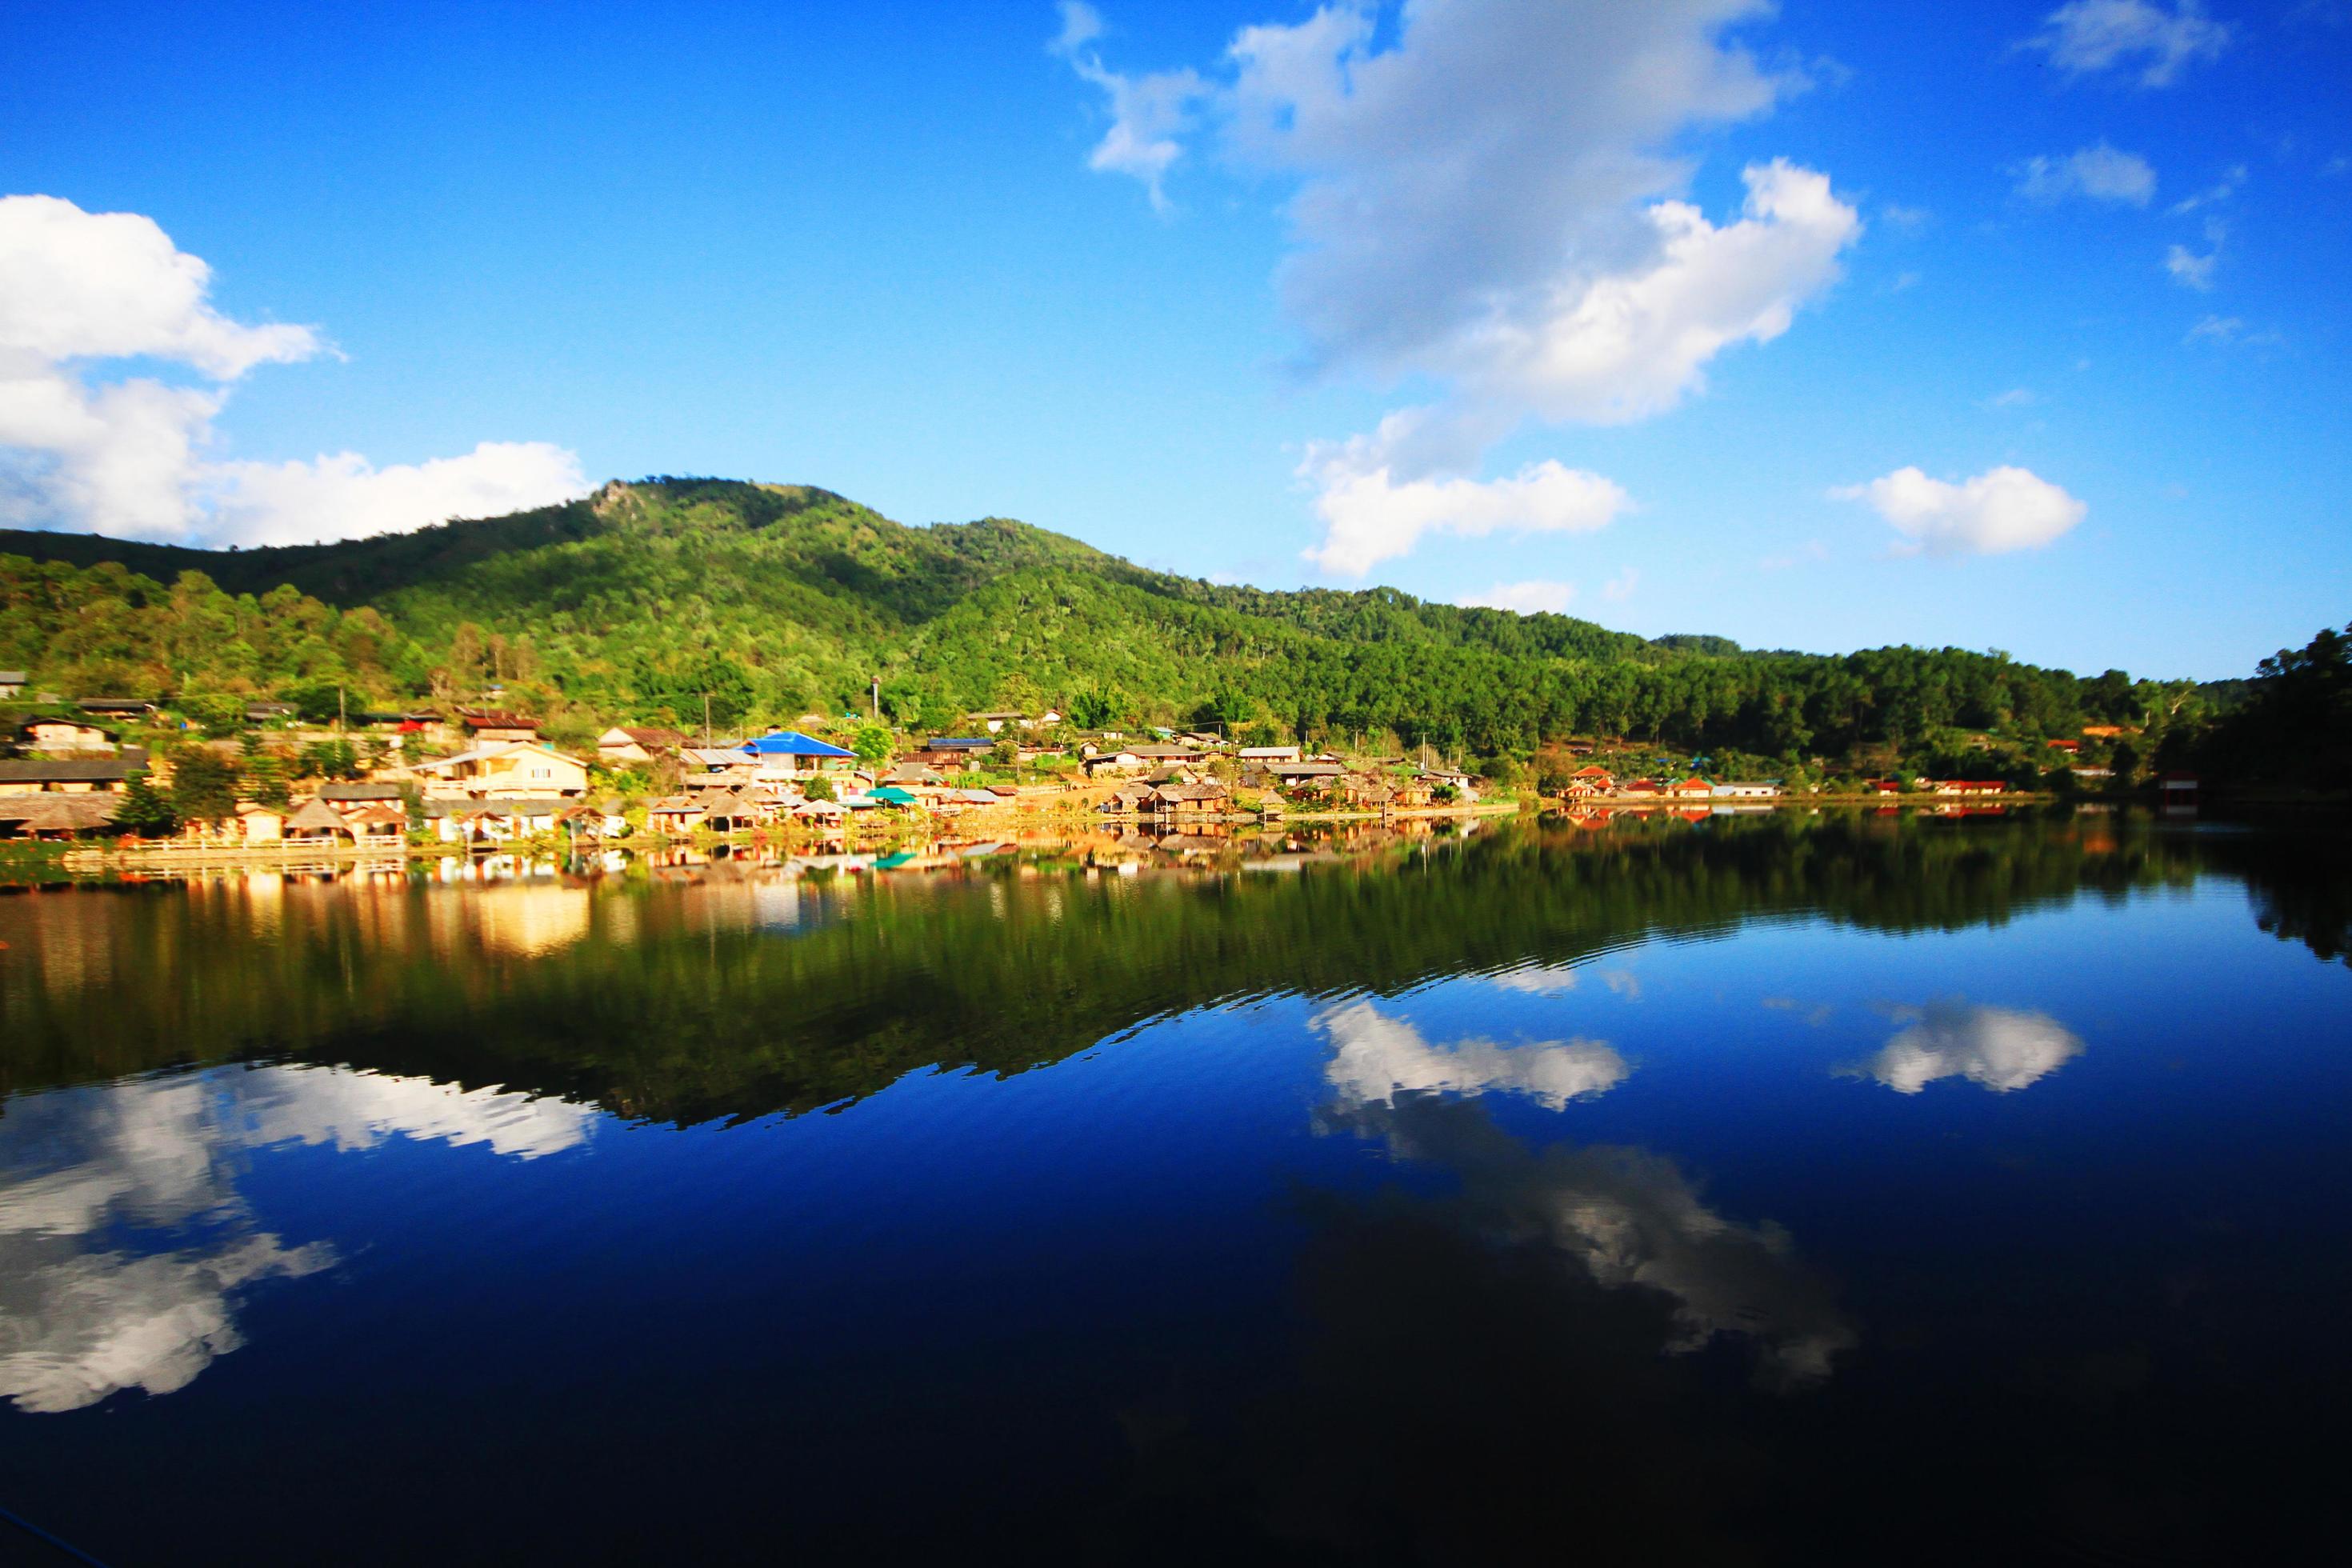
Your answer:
<point x="479" y="777"/>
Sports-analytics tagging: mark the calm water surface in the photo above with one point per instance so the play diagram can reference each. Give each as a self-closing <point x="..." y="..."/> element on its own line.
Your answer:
<point x="1756" y="1190"/>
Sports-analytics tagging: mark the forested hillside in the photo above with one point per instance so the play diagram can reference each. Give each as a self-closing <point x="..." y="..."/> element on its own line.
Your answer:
<point x="634" y="603"/>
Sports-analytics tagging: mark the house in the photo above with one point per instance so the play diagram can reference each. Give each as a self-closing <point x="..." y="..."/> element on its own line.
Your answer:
<point x="1123" y="761"/>
<point x="995" y="722"/>
<point x="2094" y="776"/>
<point x="1311" y="771"/>
<point x="1264" y="755"/>
<point x="1173" y="774"/>
<point x="117" y="707"/>
<point x="623" y="745"/>
<point x="259" y="823"/>
<point x="951" y="750"/>
<point x="11" y="683"/>
<point x="64" y="736"/>
<point x="2178" y="789"/>
<point x="488" y="724"/>
<point x="92" y="777"/>
<point x="270" y="713"/>
<point x="1590" y="779"/>
<point x="349" y="798"/>
<point x="56" y="817"/>
<point x="1691" y="788"/>
<point x="892" y="795"/>
<point x="1464" y="786"/>
<point x="1191" y="799"/>
<point x="317" y="822"/>
<point x="2103" y="732"/>
<point x="604" y="818"/>
<point x="1640" y="789"/>
<point x="1883" y="786"/>
<point x="1129" y="800"/>
<point x="914" y="776"/>
<point x="678" y="813"/>
<point x="2068" y="746"/>
<point x="377" y="823"/>
<point x="1963" y="786"/>
<point x="504" y="769"/>
<point x="733" y="812"/>
<point x="1747" y="792"/>
<point x="820" y="811"/>
<point x="791" y="752"/>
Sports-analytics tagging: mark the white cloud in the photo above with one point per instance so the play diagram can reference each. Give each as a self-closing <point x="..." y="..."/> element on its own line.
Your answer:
<point x="79" y="285"/>
<point x="131" y="456"/>
<point x="1376" y="1058"/>
<point x="2191" y="270"/>
<point x="1370" y="515"/>
<point x="2099" y="173"/>
<point x="1487" y="194"/>
<point x="1534" y="597"/>
<point x="2220" y="190"/>
<point x="1148" y="113"/>
<point x="1081" y="25"/>
<point x="2001" y="509"/>
<point x="1997" y="1048"/>
<point x="346" y="497"/>
<point x="2084" y="37"/>
<point x="2015" y="397"/>
<point x="2231" y="329"/>
<point x="1620" y="588"/>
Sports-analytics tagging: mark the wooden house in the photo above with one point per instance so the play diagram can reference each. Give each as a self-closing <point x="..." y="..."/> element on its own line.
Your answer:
<point x="625" y="745"/>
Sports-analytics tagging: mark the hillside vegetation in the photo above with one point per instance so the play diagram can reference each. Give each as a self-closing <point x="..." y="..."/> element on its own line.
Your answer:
<point x="634" y="603"/>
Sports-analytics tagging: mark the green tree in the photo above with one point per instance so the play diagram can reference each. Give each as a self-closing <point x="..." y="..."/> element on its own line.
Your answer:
<point x="872" y="743"/>
<point x="203" y="786"/>
<point x="145" y="810"/>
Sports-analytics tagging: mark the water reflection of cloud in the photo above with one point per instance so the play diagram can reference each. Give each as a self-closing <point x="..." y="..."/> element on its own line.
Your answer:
<point x="124" y="1240"/>
<point x="1376" y="1058"/>
<point x="1632" y="1219"/>
<point x="1997" y="1047"/>
<point x="1536" y="979"/>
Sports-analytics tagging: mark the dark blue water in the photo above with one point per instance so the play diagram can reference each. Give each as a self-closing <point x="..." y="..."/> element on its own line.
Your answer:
<point x="1842" y="1190"/>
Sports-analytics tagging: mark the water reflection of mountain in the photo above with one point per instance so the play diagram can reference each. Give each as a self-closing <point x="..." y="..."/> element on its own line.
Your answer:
<point x="671" y="997"/>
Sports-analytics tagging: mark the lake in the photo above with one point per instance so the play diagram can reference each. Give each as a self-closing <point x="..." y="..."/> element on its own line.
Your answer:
<point x="1764" y="1188"/>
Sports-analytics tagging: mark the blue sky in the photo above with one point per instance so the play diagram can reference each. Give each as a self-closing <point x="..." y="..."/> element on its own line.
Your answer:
<point x="1140" y="276"/>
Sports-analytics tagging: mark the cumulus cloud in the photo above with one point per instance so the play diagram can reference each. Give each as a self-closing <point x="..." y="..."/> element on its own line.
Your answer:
<point x="1370" y="514"/>
<point x="131" y="456"/>
<point x="1999" y="510"/>
<point x="2085" y="38"/>
<point x="1376" y="1058"/>
<point x="2099" y="174"/>
<point x="125" y="1242"/>
<point x="1535" y="596"/>
<point x="344" y="496"/>
<point x="1997" y="1048"/>
<point x="1486" y="193"/>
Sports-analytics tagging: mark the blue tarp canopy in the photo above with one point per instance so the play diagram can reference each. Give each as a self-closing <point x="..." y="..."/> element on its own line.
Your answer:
<point x="792" y="744"/>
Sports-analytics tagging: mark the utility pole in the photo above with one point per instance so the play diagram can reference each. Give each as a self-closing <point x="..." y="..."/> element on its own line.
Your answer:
<point x="706" y="721"/>
<point x="877" y="699"/>
<point x="340" y="719"/>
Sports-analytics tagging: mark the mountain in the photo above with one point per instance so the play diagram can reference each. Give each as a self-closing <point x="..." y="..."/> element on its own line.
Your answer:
<point x="635" y="602"/>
